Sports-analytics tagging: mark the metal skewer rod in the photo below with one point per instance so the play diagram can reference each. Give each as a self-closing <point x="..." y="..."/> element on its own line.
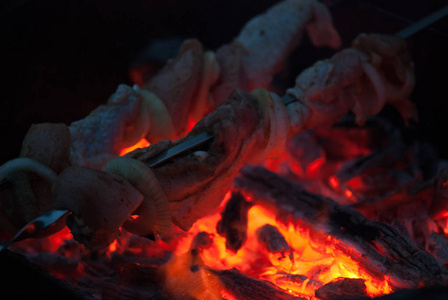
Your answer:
<point x="423" y="23"/>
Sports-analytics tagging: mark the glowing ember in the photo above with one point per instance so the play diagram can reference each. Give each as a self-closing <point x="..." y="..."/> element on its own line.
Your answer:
<point x="314" y="167"/>
<point x="315" y="264"/>
<point x="141" y="144"/>
<point x="304" y="266"/>
<point x="334" y="183"/>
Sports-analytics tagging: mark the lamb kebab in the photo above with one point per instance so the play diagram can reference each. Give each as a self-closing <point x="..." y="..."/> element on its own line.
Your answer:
<point x="247" y="127"/>
<point x="190" y="85"/>
<point x="194" y="82"/>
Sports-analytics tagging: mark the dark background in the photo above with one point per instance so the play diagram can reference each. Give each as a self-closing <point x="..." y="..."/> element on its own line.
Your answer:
<point x="61" y="59"/>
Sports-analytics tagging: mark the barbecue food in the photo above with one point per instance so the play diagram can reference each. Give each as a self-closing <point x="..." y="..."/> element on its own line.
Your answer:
<point x="355" y="79"/>
<point x="153" y="215"/>
<point x="251" y="127"/>
<point x="194" y="185"/>
<point x="44" y="154"/>
<point x="193" y="83"/>
<point x="101" y="202"/>
<point x="263" y="45"/>
<point x="268" y="39"/>
<point x="177" y="83"/>
<point x="375" y="71"/>
<point x="108" y="128"/>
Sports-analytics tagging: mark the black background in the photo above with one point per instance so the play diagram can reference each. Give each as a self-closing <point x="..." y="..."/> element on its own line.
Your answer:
<point x="61" y="59"/>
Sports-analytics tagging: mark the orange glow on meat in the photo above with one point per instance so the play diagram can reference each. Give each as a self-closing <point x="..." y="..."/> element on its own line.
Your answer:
<point x="141" y="144"/>
<point x="191" y="124"/>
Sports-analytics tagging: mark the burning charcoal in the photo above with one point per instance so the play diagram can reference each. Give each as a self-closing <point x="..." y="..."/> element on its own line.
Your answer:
<point x="202" y="240"/>
<point x="274" y="241"/>
<point x="25" y="280"/>
<point x="187" y="278"/>
<point x="56" y="264"/>
<point x="295" y="281"/>
<point x="379" y="247"/>
<point x="438" y="246"/>
<point x="307" y="154"/>
<point x="138" y="273"/>
<point x="439" y="205"/>
<point x="115" y="290"/>
<point x="342" y="288"/>
<point x="233" y="223"/>
<point x="243" y="287"/>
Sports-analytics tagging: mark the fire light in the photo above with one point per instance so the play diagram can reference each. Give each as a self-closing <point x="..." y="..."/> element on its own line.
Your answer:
<point x="141" y="144"/>
<point x="314" y="262"/>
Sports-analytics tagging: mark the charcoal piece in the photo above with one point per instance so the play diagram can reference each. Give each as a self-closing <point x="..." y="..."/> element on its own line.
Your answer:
<point x="433" y="293"/>
<point x="233" y="223"/>
<point x="439" y="205"/>
<point x="243" y="287"/>
<point x="202" y="240"/>
<point x="56" y="264"/>
<point x="377" y="247"/>
<point x="438" y="246"/>
<point x="305" y="150"/>
<point x="274" y="241"/>
<point x="114" y="290"/>
<point x="24" y="280"/>
<point x="391" y="153"/>
<point x="342" y="288"/>
<point x="296" y="281"/>
<point x="138" y="274"/>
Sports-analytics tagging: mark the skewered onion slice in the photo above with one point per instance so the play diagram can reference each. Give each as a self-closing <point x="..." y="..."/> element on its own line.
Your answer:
<point x="275" y="124"/>
<point x="160" y="123"/>
<point x="153" y="215"/>
<point x="209" y="76"/>
<point x="25" y="164"/>
<point x="101" y="202"/>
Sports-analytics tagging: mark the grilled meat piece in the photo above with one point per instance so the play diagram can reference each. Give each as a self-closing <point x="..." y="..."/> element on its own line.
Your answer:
<point x="195" y="184"/>
<point x="375" y="71"/>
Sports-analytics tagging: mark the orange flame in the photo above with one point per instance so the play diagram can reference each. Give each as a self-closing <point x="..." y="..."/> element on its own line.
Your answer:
<point x="319" y="263"/>
<point x="141" y="144"/>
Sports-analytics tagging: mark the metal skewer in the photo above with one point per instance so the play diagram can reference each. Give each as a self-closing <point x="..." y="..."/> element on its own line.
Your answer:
<point x="423" y="23"/>
<point x="50" y="218"/>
